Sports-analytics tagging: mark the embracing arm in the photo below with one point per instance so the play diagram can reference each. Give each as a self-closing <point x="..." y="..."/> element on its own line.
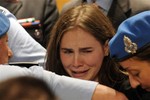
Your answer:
<point x="66" y="88"/>
<point x="105" y="93"/>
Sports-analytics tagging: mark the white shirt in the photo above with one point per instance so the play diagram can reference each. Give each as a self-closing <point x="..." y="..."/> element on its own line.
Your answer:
<point x="66" y="88"/>
<point x="23" y="46"/>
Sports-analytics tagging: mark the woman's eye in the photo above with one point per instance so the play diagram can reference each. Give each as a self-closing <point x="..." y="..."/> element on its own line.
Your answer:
<point x="67" y="52"/>
<point x="136" y="74"/>
<point x="87" y="51"/>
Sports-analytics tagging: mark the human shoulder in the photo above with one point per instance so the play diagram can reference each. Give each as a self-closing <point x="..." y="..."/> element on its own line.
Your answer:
<point x="138" y="6"/>
<point x="10" y="71"/>
<point x="70" y="4"/>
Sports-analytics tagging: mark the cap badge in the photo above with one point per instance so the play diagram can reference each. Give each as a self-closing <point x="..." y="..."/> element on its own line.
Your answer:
<point x="130" y="47"/>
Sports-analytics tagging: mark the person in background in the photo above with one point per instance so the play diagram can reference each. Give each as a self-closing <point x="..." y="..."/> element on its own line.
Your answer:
<point x="4" y="26"/>
<point x="79" y="47"/>
<point x="25" y="88"/>
<point x="65" y="88"/>
<point x="132" y="39"/>
<point x="116" y="10"/>
<point x="23" y="46"/>
<point x="43" y="10"/>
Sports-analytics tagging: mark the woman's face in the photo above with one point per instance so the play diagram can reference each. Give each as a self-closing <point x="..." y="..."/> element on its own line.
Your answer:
<point x="81" y="54"/>
<point x="139" y="72"/>
<point x="5" y="52"/>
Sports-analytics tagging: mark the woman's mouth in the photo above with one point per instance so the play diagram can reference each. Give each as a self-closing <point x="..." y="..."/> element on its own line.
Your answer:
<point x="79" y="74"/>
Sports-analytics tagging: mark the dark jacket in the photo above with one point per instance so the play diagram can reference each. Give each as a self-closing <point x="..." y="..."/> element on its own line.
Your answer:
<point x="43" y="10"/>
<point x="119" y="10"/>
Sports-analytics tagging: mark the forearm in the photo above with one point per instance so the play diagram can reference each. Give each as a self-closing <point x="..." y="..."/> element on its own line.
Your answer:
<point x="105" y="93"/>
<point x="67" y="88"/>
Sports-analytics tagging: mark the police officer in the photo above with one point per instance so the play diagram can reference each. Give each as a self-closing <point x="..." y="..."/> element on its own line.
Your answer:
<point x="5" y="51"/>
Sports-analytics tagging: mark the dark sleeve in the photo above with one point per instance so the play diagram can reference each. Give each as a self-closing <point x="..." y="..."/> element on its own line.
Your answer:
<point x="51" y="15"/>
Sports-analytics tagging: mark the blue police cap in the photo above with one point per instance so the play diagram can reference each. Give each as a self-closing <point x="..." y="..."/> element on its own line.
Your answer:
<point x="133" y="35"/>
<point x="4" y="24"/>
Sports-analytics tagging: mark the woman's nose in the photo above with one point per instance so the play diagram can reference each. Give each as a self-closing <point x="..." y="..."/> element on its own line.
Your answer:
<point x="10" y="53"/>
<point x="77" y="61"/>
<point x="133" y="81"/>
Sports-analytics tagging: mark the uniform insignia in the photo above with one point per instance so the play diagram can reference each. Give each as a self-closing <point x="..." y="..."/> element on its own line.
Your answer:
<point x="130" y="47"/>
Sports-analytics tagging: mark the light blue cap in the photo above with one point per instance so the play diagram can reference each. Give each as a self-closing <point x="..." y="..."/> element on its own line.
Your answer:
<point x="132" y="37"/>
<point x="4" y="24"/>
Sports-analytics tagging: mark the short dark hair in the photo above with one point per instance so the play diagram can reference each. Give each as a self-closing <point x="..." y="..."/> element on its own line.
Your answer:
<point x="25" y="87"/>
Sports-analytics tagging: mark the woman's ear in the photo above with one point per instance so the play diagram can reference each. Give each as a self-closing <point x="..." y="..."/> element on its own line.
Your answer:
<point x="106" y="48"/>
<point x="0" y="42"/>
